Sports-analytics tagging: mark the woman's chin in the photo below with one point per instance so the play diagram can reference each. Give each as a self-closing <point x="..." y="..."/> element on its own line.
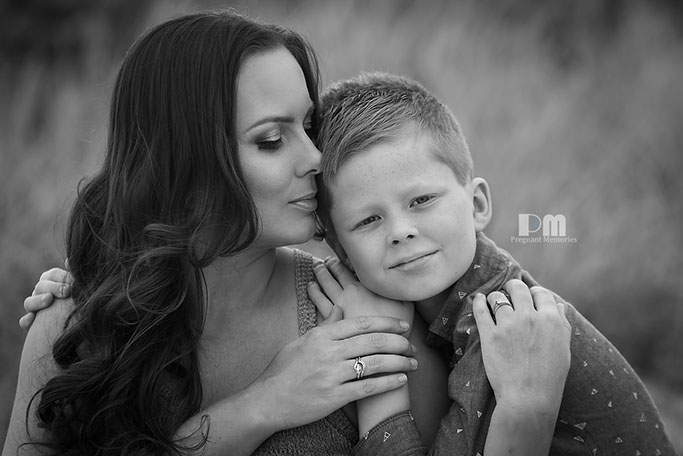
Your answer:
<point x="292" y="236"/>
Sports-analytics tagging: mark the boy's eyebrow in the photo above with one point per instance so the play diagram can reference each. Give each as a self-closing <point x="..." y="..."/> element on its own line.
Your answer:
<point x="278" y="119"/>
<point x="358" y="213"/>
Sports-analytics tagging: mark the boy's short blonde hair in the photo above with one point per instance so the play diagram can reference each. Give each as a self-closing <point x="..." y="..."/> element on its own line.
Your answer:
<point x="374" y="108"/>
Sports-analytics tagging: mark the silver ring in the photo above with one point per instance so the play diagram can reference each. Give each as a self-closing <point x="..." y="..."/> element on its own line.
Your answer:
<point x="359" y="367"/>
<point x="501" y="303"/>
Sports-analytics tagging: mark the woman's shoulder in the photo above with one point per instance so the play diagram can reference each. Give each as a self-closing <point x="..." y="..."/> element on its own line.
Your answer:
<point x="313" y="249"/>
<point x="299" y="265"/>
<point x="306" y="254"/>
<point x="301" y="260"/>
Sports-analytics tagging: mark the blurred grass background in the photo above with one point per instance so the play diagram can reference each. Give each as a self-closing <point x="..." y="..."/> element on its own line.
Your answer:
<point x="570" y="107"/>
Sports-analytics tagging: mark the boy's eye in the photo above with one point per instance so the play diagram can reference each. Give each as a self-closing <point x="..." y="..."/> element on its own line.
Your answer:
<point x="308" y="128"/>
<point x="422" y="199"/>
<point x="366" y="221"/>
<point x="269" y="144"/>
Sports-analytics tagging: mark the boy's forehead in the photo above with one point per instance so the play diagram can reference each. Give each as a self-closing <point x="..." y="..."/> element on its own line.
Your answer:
<point x="396" y="152"/>
<point x="396" y="161"/>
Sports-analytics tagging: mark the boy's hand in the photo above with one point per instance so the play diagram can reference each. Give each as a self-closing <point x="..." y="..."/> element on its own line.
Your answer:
<point x="53" y="284"/>
<point x="338" y="287"/>
<point x="526" y="349"/>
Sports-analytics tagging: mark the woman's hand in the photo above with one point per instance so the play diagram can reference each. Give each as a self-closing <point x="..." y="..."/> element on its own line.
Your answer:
<point x="340" y="288"/>
<point x="308" y="379"/>
<point x="526" y="348"/>
<point x="55" y="283"/>
<point x="314" y="375"/>
<point x="343" y="293"/>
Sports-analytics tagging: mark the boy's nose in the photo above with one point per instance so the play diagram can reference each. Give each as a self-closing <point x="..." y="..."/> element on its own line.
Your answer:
<point x="402" y="230"/>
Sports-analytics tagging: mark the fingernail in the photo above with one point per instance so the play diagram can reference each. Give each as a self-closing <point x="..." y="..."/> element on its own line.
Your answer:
<point x="413" y="348"/>
<point x="402" y="378"/>
<point x="404" y="324"/>
<point x="45" y="297"/>
<point x="66" y="290"/>
<point x="413" y="363"/>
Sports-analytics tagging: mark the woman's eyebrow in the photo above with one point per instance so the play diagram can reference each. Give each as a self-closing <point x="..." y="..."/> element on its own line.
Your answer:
<point x="279" y="119"/>
<point x="269" y="119"/>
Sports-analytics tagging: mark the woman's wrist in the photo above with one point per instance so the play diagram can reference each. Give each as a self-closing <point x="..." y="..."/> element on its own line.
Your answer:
<point x="533" y="411"/>
<point x="522" y="428"/>
<point x="262" y="406"/>
<point x="239" y="423"/>
<point x="529" y="402"/>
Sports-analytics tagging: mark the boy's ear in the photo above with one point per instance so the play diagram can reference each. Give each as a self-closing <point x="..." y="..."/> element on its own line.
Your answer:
<point x="334" y="244"/>
<point x="481" y="202"/>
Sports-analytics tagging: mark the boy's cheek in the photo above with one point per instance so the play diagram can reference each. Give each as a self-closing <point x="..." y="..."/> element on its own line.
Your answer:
<point x="346" y="262"/>
<point x="336" y="246"/>
<point x="361" y="256"/>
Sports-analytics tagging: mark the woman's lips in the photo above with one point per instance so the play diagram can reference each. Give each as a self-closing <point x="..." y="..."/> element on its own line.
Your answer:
<point x="307" y="203"/>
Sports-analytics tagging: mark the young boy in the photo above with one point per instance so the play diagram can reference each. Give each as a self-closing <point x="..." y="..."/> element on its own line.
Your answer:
<point x="402" y="209"/>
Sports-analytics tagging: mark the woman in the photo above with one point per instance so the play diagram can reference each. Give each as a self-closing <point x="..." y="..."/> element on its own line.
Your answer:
<point x="190" y="328"/>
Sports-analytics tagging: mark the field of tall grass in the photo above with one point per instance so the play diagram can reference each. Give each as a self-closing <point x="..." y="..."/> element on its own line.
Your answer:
<point x="570" y="108"/>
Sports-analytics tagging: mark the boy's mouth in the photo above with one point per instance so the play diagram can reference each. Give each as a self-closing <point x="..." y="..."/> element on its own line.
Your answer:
<point x="412" y="260"/>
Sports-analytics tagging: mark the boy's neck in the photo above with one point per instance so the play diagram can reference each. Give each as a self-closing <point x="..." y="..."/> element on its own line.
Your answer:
<point x="429" y="308"/>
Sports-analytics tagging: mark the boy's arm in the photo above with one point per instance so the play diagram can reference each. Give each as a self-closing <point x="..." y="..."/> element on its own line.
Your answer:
<point x="387" y="427"/>
<point x="338" y="288"/>
<point x="607" y="405"/>
<point x="526" y="354"/>
<point x="374" y="410"/>
<point x="36" y="366"/>
<point x="515" y="429"/>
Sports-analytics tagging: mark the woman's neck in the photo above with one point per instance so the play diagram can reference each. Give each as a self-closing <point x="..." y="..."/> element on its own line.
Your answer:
<point x="240" y="280"/>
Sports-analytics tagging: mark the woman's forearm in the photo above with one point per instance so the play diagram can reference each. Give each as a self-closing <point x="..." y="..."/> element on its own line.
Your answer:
<point x="236" y="425"/>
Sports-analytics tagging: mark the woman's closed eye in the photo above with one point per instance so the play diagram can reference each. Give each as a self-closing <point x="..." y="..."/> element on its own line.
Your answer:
<point x="269" y="144"/>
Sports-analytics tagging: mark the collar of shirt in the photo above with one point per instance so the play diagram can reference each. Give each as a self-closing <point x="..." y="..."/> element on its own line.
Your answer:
<point x="490" y="269"/>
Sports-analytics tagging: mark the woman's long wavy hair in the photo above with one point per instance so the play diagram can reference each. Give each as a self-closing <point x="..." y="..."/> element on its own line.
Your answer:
<point x="168" y="200"/>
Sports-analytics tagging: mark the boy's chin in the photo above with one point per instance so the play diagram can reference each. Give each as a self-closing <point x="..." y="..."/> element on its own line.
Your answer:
<point x="407" y="295"/>
<point x="434" y="292"/>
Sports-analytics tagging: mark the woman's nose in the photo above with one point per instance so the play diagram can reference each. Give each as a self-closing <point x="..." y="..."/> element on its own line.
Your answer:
<point x="310" y="163"/>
